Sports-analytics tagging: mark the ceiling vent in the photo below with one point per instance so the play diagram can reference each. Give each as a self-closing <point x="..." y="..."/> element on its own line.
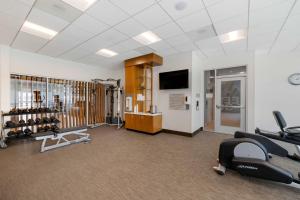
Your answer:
<point x="202" y="33"/>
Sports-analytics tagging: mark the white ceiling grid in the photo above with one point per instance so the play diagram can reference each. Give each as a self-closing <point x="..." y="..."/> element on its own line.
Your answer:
<point x="272" y="26"/>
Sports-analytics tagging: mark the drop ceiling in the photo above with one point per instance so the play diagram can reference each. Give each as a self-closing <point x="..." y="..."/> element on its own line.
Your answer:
<point x="271" y="26"/>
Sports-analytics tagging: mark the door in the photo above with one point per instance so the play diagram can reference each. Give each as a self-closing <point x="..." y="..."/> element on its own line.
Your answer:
<point x="230" y="103"/>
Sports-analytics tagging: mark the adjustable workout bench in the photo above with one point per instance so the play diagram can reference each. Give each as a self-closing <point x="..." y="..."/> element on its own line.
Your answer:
<point x="61" y="139"/>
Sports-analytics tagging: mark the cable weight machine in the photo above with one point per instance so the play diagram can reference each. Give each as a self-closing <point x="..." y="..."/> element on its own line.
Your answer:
<point x="113" y="101"/>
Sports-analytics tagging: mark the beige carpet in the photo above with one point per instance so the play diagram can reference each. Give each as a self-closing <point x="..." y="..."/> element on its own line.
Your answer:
<point x="120" y="164"/>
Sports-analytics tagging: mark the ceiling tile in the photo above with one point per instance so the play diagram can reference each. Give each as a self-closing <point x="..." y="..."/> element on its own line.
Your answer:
<point x="76" y="33"/>
<point x="286" y="42"/>
<point x="89" y="24"/>
<point x="144" y="50"/>
<point x="265" y="28"/>
<point x="213" y="52"/>
<point x="296" y="9"/>
<point x="75" y="54"/>
<point x="153" y="17"/>
<point x="15" y="8"/>
<point x="44" y="19"/>
<point x="167" y="52"/>
<point x="161" y="45"/>
<point x="194" y="21"/>
<point x="11" y="21"/>
<point x="258" y="42"/>
<point x="231" y="24"/>
<point x="228" y="9"/>
<point x="7" y="35"/>
<point x="28" y="42"/>
<point x="125" y="46"/>
<point x="59" y="9"/>
<point x="131" y="27"/>
<point x="168" y="30"/>
<point x="209" y="3"/>
<point x="133" y="6"/>
<point x="107" y="12"/>
<point x="267" y="15"/>
<point x="192" y="6"/>
<point x="259" y="4"/>
<point x="178" y="40"/>
<point x="113" y="36"/>
<point x="186" y="47"/>
<point x="292" y="24"/>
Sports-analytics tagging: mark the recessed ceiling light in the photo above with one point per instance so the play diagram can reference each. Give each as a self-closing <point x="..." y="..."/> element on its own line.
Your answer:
<point x="147" y="38"/>
<point x="181" y="5"/>
<point x="106" y="53"/>
<point x="37" y="30"/>
<point x="80" y="4"/>
<point x="233" y="36"/>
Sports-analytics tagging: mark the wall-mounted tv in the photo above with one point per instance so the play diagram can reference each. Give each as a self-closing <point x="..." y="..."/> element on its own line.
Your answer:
<point x="174" y="80"/>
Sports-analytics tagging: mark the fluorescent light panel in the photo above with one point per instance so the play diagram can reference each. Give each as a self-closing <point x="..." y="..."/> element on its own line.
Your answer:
<point x="147" y="38"/>
<point x="233" y="36"/>
<point x="37" y="30"/>
<point x="80" y="4"/>
<point x="106" y="53"/>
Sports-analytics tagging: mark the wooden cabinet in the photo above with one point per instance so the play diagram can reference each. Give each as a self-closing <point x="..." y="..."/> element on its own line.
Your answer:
<point x="139" y="88"/>
<point x="143" y="122"/>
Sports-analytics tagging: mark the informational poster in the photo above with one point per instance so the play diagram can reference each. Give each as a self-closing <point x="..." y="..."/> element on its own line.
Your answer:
<point x="177" y="102"/>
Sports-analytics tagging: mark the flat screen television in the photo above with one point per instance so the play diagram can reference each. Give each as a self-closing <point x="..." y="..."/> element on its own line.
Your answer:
<point x="174" y="80"/>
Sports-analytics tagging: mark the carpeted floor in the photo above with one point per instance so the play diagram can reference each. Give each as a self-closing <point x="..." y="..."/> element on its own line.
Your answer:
<point x="124" y="165"/>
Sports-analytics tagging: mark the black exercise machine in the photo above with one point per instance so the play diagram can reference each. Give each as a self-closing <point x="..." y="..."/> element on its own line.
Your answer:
<point x="249" y="154"/>
<point x="289" y="135"/>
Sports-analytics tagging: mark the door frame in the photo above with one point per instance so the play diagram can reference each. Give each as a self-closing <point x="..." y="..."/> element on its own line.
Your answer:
<point x="243" y="79"/>
<point x="235" y="75"/>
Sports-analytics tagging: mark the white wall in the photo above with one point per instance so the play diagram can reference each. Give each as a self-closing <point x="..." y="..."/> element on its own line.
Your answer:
<point x="273" y="92"/>
<point x="22" y="62"/>
<point x="197" y="92"/>
<point x="178" y="120"/>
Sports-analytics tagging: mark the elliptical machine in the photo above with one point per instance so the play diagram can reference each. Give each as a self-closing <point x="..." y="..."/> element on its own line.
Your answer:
<point x="250" y="154"/>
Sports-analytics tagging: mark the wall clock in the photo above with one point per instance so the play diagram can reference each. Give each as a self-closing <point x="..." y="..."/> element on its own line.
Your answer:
<point x="294" y="79"/>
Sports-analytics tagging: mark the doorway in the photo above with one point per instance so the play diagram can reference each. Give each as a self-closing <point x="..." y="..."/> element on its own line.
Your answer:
<point x="225" y="100"/>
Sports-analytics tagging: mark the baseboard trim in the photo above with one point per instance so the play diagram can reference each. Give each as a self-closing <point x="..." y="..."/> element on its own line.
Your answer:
<point x="181" y="133"/>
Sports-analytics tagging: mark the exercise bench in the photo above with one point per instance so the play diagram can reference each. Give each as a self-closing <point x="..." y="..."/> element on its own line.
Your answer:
<point x="61" y="138"/>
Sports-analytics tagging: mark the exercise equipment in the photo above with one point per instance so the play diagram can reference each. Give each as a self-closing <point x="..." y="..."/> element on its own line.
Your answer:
<point x="22" y="122"/>
<point x="46" y="120"/>
<point x="62" y="139"/>
<point x="55" y="128"/>
<point x="30" y="122"/>
<point x="250" y="154"/>
<point x="38" y="120"/>
<point x="289" y="135"/>
<point x="113" y="101"/>
<point x="53" y="119"/>
<point x="28" y="132"/>
<point x="20" y="133"/>
<point x="10" y="124"/>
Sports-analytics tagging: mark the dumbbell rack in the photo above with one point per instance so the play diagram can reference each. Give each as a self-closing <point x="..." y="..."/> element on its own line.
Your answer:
<point x="3" y="133"/>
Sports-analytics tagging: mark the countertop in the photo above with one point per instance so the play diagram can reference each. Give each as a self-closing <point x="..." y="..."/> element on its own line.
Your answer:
<point x="143" y="113"/>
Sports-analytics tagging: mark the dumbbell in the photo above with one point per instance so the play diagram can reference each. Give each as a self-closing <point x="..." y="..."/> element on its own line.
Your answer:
<point x="54" y="119"/>
<point x="30" y="122"/>
<point x="47" y="128"/>
<point x="11" y="134"/>
<point x="22" y="122"/>
<point x="13" y="111"/>
<point x="55" y="128"/>
<point x="10" y="124"/>
<point x="38" y="121"/>
<point x="40" y="129"/>
<point x="46" y="120"/>
<point x="20" y="133"/>
<point x="28" y="132"/>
